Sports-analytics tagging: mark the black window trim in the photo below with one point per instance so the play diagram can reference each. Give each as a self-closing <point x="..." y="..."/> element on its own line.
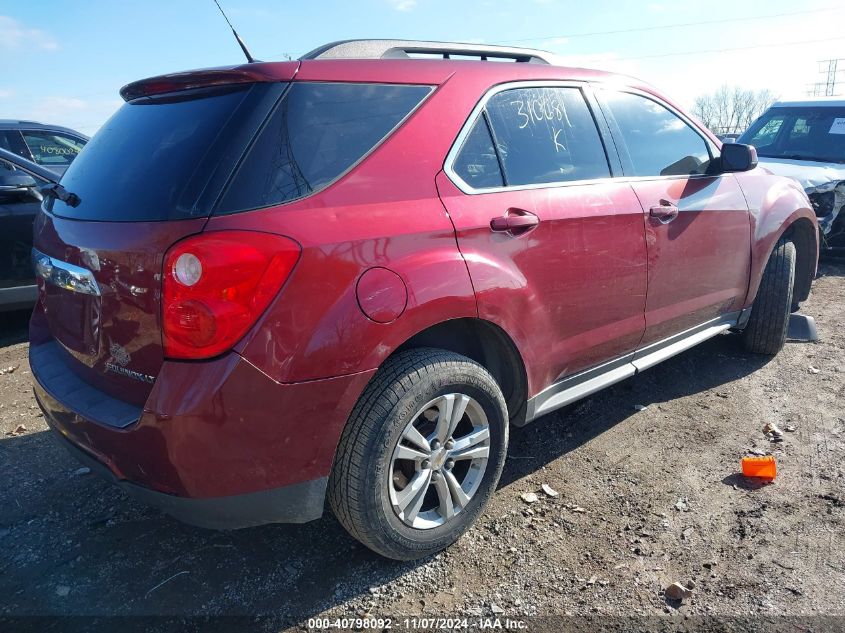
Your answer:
<point x="484" y="116"/>
<point x="215" y="208"/>
<point x="480" y="110"/>
<point x="616" y="133"/>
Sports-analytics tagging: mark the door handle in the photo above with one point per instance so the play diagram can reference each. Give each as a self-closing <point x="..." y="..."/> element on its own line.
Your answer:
<point x="514" y="222"/>
<point x="665" y="213"/>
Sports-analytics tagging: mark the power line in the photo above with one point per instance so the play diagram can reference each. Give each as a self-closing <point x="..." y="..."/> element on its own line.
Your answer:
<point x="716" y="50"/>
<point x="827" y="88"/>
<point x="671" y="26"/>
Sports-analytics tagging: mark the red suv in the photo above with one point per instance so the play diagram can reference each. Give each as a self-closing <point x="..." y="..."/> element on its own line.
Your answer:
<point x="343" y="277"/>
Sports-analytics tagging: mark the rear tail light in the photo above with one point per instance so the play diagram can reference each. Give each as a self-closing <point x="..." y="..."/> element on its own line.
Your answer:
<point x="216" y="285"/>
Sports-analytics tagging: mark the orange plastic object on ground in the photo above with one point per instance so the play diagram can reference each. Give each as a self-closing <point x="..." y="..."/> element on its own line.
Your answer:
<point x="762" y="467"/>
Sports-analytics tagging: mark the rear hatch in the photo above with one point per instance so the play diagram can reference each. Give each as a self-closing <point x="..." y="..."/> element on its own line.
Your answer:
<point x="147" y="179"/>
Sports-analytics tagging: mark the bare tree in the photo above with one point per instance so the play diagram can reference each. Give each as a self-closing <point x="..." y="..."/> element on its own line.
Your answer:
<point x="731" y="109"/>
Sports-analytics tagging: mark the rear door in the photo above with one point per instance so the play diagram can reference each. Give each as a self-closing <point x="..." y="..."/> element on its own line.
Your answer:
<point x="697" y="222"/>
<point x="555" y="249"/>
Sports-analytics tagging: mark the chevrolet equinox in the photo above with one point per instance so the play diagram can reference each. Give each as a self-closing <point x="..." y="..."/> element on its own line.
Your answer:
<point x="340" y="279"/>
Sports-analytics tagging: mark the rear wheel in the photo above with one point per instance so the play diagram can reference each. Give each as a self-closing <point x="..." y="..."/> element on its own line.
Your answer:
<point x="769" y="321"/>
<point x="421" y="454"/>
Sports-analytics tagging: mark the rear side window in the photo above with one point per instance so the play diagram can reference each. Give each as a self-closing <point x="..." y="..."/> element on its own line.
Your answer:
<point x="658" y="142"/>
<point x="52" y="148"/>
<point x="317" y="132"/>
<point x="546" y="135"/>
<point x="477" y="163"/>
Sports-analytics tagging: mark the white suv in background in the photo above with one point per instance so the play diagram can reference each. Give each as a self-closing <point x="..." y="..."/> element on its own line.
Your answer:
<point x="805" y="140"/>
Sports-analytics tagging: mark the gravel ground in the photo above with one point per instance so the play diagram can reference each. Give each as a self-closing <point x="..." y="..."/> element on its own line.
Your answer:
<point x="648" y="494"/>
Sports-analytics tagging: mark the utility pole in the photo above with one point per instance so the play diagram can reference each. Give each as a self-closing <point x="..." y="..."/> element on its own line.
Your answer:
<point x="829" y="69"/>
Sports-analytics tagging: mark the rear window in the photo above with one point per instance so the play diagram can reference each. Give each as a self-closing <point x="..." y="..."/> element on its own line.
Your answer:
<point x="317" y="132"/>
<point x="155" y="157"/>
<point x="174" y="156"/>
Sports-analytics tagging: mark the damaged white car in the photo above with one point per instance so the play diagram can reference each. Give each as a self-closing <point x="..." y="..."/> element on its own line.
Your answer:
<point x="805" y="140"/>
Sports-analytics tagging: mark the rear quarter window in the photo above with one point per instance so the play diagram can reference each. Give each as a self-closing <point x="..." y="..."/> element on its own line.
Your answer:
<point x="316" y="133"/>
<point x="477" y="163"/>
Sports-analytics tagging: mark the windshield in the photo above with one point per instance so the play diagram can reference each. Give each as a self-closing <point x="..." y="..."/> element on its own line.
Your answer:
<point x="815" y="133"/>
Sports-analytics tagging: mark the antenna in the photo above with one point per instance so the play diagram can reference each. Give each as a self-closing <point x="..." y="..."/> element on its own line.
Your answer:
<point x="249" y="57"/>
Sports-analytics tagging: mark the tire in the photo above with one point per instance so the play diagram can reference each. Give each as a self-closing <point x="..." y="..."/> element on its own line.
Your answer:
<point x="377" y="470"/>
<point x="769" y="321"/>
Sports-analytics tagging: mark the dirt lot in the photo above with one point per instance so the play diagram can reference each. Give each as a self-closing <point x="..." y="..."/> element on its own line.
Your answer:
<point x="646" y="498"/>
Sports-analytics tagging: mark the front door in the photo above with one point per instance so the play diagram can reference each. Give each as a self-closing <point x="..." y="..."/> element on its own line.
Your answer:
<point x="555" y="249"/>
<point x="697" y="223"/>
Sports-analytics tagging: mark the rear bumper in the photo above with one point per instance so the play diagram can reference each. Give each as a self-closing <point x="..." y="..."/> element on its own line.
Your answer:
<point x="217" y="444"/>
<point x="297" y="503"/>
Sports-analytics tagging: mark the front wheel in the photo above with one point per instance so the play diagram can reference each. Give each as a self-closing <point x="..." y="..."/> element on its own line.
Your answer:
<point x="769" y="321"/>
<point x="421" y="454"/>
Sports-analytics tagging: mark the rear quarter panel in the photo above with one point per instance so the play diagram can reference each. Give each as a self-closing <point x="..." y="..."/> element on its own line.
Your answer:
<point x="385" y="213"/>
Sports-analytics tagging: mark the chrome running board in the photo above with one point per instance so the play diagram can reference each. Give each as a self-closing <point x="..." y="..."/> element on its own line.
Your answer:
<point x="585" y="383"/>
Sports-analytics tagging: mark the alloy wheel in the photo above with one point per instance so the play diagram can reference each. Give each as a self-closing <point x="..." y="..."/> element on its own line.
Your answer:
<point x="439" y="461"/>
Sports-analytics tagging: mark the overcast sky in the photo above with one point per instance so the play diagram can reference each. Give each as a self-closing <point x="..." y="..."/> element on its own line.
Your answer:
<point x="64" y="62"/>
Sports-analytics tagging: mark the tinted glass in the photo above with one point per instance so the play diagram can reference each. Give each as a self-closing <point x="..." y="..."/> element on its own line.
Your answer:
<point x="546" y="135"/>
<point x="5" y="143"/>
<point x="317" y="132"/>
<point x="815" y="133"/>
<point x="476" y="163"/>
<point x="49" y="148"/>
<point x="658" y="142"/>
<point x="12" y="141"/>
<point x="150" y="158"/>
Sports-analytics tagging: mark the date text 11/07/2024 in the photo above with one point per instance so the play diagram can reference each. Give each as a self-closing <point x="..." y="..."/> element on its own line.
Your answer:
<point x="417" y="624"/>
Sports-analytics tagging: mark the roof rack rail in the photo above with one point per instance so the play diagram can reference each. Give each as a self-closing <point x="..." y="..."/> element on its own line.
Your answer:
<point x="399" y="49"/>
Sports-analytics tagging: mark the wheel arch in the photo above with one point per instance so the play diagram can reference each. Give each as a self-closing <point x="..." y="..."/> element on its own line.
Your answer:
<point x="779" y="207"/>
<point x="487" y="344"/>
<point x="804" y="235"/>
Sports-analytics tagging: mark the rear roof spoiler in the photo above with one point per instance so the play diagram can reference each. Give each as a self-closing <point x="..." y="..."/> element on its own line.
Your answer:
<point x="175" y="82"/>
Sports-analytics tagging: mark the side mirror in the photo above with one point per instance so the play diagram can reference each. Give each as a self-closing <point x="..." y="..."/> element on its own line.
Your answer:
<point x="738" y="157"/>
<point x="14" y="180"/>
